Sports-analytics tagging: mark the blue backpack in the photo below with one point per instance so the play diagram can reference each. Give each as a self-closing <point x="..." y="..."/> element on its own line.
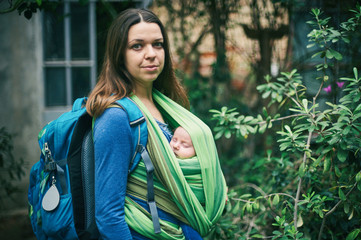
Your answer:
<point x="61" y="190"/>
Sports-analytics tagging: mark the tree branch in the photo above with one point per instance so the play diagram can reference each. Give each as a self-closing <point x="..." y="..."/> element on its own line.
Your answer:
<point x="331" y="211"/>
<point x="12" y="7"/>
<point x="295" y="213"/>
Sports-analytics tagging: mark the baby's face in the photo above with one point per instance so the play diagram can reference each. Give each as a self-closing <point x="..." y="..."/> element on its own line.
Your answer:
<point x="181" y="144"/>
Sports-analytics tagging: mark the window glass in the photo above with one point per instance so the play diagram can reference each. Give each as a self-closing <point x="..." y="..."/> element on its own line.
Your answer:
<point x="69" y="64"/>
<point x="80" y="82"/>
<point x="55" y="86"/>
<point x="79" y="31"/>
<point x="53" y="33"/>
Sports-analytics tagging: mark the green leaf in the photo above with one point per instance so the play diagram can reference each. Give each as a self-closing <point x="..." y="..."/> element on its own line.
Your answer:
<point x="311" y="22"/>
<point x="248" y="119"/>
<point x="243" y="211"/>
<point x="236" y="208"/>
<point x="295" y="110"/>
<point x="316" y="54"/>
<point x="318" y="160"/>
<point x="353" y="235"/>
<point x="277" y="232"/>
<point x="346" y="130"/>
<point x="341" y="194"/>
<point x="249" y="207"/>
<point x="351" y="215"/>
<point x="264" y="110"/>
<point x="284" y="211"/>
<point x="214" y="111"/>
<point x="346" y="40"/>
<point x="39" y="2"/>
<point x="266" y="94"/>
<point x="257" y="235"/>
<point x="301" y="170"/>
<point x="288" y="129"/>
<point x="346" y="208"/>
<point x="262" y="207"/>
<point x="342" y="154"/>
<point x="329" y="54"/>
<point x="315" y="11"/>
<point x="270" y="202"/>
<point x="305" y="104"/>
<point x="299" y="221"/>
<point x="355" y="73"/>
<point x="335" y="33"/>
<point x="218" y="135"/>
<point x="336" y="54"/>
<point x="255" y="205"/>
<point x="284" y="146"/>
<point x="227" y="134"/>
<point x="263" y="128"/>
<point x="327" y="164"/>
<point x="358" y="108"/>
<point x="276" y="200"/>
<point x="247" y="195"/>
<point x="358" y="177"/>
<point x="337" y="171"/>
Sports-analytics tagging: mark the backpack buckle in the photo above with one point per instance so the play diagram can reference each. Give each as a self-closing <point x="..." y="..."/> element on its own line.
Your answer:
<point x="50" y="164"/>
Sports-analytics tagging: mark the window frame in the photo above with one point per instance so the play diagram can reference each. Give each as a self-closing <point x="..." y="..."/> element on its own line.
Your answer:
<point x="52" y="112"/>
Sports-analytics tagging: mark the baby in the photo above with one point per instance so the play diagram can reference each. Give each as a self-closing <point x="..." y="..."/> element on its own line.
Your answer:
<point x="181" y="144"/>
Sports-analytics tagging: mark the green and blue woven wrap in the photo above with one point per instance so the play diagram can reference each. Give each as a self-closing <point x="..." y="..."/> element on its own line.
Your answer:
<point x="178" y="185"/>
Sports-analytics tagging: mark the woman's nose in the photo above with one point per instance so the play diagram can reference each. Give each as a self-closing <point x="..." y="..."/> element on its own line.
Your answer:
<point x="150" y="53"/>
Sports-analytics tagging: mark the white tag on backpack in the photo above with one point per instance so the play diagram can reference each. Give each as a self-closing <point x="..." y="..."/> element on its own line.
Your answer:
<point x="51" y="199"/>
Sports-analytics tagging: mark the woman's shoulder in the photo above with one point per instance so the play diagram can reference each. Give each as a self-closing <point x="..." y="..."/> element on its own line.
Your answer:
<point x="112" y="115"/>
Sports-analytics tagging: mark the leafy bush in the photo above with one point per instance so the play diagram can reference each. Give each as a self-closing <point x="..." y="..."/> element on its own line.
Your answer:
<point x="307" y="186"/>
<point x="10" y="169"/>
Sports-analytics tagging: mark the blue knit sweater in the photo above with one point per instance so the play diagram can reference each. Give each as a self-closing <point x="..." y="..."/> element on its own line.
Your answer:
<point x="112" y="147"/>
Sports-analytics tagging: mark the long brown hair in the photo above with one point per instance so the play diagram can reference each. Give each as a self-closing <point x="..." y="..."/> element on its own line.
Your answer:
<point x="115" y="82"/>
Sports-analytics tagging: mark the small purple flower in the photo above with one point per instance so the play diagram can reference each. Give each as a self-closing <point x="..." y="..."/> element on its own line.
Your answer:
<point x="327" y="89"/>
<point x="340" y="84"/>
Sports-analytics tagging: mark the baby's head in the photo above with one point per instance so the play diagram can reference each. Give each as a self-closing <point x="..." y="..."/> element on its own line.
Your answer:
<point x="181" y="144"/>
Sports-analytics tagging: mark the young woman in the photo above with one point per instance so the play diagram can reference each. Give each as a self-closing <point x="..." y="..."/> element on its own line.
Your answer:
<point x="137" y="62"/>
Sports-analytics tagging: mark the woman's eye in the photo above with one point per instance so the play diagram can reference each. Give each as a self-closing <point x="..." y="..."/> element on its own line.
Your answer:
<point x="136" y="46"/>
<point x="158" y="44"/>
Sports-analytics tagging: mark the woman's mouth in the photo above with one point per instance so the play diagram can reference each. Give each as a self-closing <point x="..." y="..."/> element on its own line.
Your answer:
<point x="151" y="68"/>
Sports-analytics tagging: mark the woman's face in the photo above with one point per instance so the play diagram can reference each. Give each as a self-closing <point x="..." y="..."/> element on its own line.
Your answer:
<point x="144" y="54"/>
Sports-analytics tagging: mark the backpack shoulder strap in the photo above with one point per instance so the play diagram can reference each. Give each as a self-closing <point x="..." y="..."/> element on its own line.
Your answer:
<point x="134" y="114"/>
<point x="138" y="127"/>
<point x="79" y="103"/>
<point x="140" y="137"/>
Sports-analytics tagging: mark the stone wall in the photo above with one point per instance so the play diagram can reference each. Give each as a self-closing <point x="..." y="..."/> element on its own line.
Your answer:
<point x="21" y="93"/>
